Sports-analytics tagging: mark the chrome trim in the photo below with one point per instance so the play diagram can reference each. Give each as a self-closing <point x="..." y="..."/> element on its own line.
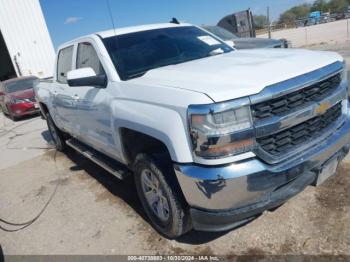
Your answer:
<point x="272" y="159"/>
<point x="297" y="83"/>
<point x="223" y="161"/>
<point x="277" y="124"/>
<point x="218" y="107"/>
<point x="239" y="184"/>
<point x="345" y="72"/>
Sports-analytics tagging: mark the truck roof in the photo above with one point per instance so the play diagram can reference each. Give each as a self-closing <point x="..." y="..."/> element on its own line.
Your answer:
<point x="127" y="30"/>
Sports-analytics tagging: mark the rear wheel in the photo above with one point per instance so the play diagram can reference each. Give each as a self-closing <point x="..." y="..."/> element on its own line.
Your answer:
<point x="56" y="134"/>
<point x="160" y="196"/>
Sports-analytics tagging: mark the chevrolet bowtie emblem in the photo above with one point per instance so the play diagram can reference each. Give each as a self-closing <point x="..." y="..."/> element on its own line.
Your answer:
<point x="322" y="108"/>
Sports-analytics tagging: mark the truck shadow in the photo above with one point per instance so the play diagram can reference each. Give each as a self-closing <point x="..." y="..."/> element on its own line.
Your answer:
<point x="126" y="191"/>
<point x="123" y="189"/>
<point x="199" y="238"/>
<point x="47" y="136"/>
<point x="2" y="256"/>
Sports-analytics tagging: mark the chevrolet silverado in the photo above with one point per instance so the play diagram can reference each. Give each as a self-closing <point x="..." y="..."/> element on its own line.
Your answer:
<point x="212" y="136"/>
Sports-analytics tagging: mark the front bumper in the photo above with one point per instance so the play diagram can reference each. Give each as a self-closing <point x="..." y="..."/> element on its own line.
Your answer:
<point x="222" y="197"/>
<point x="23" y="109"/>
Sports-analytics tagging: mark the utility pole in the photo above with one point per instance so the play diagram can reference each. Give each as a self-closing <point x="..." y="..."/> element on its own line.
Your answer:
<point x="306" y="40"/>
<point x="268" y="21"/>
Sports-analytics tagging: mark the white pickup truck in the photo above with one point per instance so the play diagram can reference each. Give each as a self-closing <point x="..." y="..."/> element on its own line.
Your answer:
<point x="213" y="136"/>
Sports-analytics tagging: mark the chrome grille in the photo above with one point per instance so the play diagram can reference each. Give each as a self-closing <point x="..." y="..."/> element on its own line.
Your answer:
<point x="289" y="139"/>
<point x="295" y="100"/>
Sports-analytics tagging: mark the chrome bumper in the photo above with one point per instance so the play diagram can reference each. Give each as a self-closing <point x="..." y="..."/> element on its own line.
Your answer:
<point x="224" y="189"/>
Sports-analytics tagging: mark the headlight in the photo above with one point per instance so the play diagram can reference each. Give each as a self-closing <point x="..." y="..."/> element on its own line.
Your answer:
<point x="18" y="101"/>
<point x="221" y="130"/>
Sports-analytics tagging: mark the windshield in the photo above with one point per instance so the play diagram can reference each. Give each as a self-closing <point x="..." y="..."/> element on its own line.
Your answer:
<point x="19" y="85"/>
<point x="221" y="32"/>
<point x="136" y="53"/>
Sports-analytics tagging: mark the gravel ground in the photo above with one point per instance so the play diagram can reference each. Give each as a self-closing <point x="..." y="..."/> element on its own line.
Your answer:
<point x="94" y="213"/>
<point x="334" y="33"/>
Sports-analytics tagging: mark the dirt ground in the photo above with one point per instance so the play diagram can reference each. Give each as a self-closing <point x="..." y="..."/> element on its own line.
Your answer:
<point x="92" y="212"/>
<point x="334" y="33"/>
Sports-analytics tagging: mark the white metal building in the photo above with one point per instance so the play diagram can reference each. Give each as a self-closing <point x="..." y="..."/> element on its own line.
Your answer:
<point x="25" y="44"/>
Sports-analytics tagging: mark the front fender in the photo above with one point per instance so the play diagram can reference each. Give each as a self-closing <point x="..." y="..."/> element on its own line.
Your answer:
<point x="165" y="124"/>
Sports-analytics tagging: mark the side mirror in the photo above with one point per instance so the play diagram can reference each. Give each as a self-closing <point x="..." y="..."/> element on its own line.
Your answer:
<point x="230" y="43"/>
<point x="86" y="77"/>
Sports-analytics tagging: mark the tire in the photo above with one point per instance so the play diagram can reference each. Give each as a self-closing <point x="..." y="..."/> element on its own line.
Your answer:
<point x="10" y="115"/>
<point x="56" y="134"/>
<point x="3" y="111"/>
<point x="174" y="221"/>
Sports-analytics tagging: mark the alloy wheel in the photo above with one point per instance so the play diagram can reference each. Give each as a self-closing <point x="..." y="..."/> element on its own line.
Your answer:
<point x="154" y="195"/>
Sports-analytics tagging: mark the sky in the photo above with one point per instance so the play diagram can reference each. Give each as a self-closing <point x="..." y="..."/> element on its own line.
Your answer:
<point x="68" y="19"/>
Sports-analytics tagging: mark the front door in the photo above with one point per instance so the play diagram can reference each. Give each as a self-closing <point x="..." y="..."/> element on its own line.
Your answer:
<point x="94" y="119"/>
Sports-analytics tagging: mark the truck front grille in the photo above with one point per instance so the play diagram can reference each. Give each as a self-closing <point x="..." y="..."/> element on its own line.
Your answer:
<point x="289" y="139"/>
<point x="296" y="100"/>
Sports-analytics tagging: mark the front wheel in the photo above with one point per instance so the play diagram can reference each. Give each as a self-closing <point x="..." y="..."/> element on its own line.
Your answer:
<point x="10" y="115"/>
<point x="3" y="111"/>
<point x="161" y="197"/>
<point x="56" y="134"/>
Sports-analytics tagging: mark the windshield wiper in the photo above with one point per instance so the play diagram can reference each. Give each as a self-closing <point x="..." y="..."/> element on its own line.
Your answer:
<point x="217" y="51"/>
<point x="139" y="74"/>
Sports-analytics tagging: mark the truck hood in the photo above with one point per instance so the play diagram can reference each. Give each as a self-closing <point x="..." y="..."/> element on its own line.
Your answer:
<point x="239" y="73"/>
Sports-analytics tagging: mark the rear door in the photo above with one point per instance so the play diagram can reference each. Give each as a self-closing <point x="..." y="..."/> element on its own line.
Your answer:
<point x="63" y="95"/>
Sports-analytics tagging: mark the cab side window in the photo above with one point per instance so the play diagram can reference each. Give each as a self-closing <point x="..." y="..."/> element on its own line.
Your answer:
<point x="87" y="57"/>
<point x="64" y="64"/>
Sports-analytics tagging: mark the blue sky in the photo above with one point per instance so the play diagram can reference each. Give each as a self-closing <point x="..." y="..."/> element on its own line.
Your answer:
<point x="67" y="19"/>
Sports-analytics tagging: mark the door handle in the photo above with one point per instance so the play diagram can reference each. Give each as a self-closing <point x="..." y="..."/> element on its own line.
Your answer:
<point x="76" y="97"/>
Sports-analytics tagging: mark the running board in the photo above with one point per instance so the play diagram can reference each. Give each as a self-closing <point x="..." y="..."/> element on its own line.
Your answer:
<point x="110" y="165"/>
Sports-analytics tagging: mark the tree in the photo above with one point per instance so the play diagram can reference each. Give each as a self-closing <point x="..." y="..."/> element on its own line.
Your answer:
<point x="336" y="6"/>
<point x="320" y="5"/>
<point x="260" y="21"/>
<point x="301" y="11"/>
<point x="287" y="17"/>
<point x="295" y="13"/>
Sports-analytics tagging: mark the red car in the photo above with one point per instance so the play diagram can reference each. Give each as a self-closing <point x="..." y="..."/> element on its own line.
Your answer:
<point x="17" y="97"/>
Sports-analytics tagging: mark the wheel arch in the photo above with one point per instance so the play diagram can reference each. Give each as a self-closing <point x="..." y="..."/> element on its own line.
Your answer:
<point x="163" y="126"/>
<point x="43" y="109"/>
<point x="134" y="142"/>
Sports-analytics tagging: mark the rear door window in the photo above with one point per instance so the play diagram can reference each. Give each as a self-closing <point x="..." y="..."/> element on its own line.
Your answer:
<point x="64" y="64"/>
